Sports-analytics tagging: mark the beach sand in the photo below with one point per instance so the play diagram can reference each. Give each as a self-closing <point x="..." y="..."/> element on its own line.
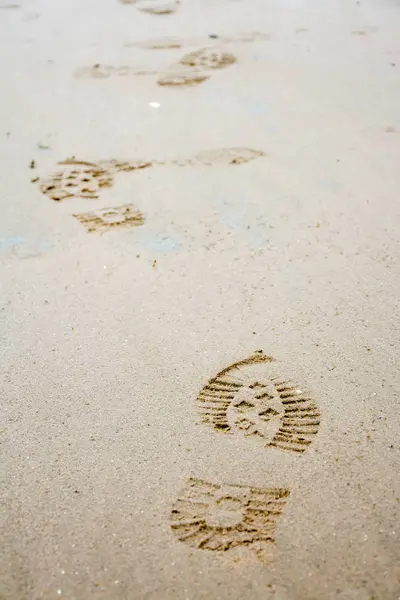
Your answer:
<point x="267" y="219"/>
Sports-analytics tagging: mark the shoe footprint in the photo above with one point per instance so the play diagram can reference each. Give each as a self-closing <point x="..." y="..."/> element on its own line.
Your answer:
<point x="248" y="399"/>
<point x="154" y="7"/>
<point x="220" y="517"/>
<point x="196" y="67"/>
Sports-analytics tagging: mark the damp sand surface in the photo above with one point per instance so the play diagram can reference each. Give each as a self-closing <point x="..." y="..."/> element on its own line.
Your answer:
<point x="199" y="308"/>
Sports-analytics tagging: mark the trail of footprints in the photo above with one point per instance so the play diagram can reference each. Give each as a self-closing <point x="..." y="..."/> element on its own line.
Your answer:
<point x="192" y="69"/>
<point x="83" y="179"/>
<point x="251" y="400"/>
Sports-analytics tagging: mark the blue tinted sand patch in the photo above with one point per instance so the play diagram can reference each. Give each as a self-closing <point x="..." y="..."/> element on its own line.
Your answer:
<point x="24" y="247"/>
<point x="257" y="108"/>
<point x="245" y="223"/>
<point x="164" y="244"/>
<point x="10" y="241"/>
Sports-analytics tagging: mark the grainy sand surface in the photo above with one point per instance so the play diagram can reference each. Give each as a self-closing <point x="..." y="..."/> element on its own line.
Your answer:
<point x="108" y="336"/>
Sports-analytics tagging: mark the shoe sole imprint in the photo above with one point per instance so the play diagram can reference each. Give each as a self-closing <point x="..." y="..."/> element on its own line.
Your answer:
<point x="155" y="8"/>
<point x="165" y="9"/>
<point x="182" y="79"/>
<point x="105" y="219"/>
<point x="249" y="400"/>
<point x="199" y="65"/>
<point x="219" y="517"/>
<point x="208" y="58"/>
<point x="82" y="179"/>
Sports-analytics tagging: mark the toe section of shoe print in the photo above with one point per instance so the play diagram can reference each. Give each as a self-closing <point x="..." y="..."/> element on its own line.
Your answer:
<point x="249" y="400"/>
<point x="105" y="219"/>
<point x="82" y="179"/>
<point x="219" y="517"/>
<point x="79" y="179"/>
<point x="208" y="58"/>
<point x="159" y="9"/>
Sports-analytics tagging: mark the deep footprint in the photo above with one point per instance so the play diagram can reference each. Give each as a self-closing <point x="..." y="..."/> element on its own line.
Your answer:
<point x="248" y="399"/>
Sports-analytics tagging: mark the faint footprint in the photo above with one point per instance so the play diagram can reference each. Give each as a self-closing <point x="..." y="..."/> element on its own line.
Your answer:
<point x="160" y="9"/>
<point x="219" y="517"/>
<point x="154" y="7"/>
<point x="249" y="399"/>
<point x="226" y="156"/>
<point x="366" y="31"/>
<point x="102" y="71"/>
<point x="99" y="71"/>
<point x="182" y="79"/>
<point x="105" y="219"/>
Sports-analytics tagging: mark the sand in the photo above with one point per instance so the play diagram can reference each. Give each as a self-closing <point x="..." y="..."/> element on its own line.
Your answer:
<point x="109" y="336"/>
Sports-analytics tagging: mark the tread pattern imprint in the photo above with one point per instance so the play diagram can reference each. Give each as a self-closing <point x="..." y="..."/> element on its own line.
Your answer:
<point x="196" y="67"/>
<point x="249" y="399"/>
<point x="82" y="179"/>
<point x="104" y="219"/>
<point x="219" y="517"/>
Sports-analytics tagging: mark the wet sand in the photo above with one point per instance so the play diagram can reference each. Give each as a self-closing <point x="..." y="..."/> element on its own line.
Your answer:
<point x="168" y="213"/>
